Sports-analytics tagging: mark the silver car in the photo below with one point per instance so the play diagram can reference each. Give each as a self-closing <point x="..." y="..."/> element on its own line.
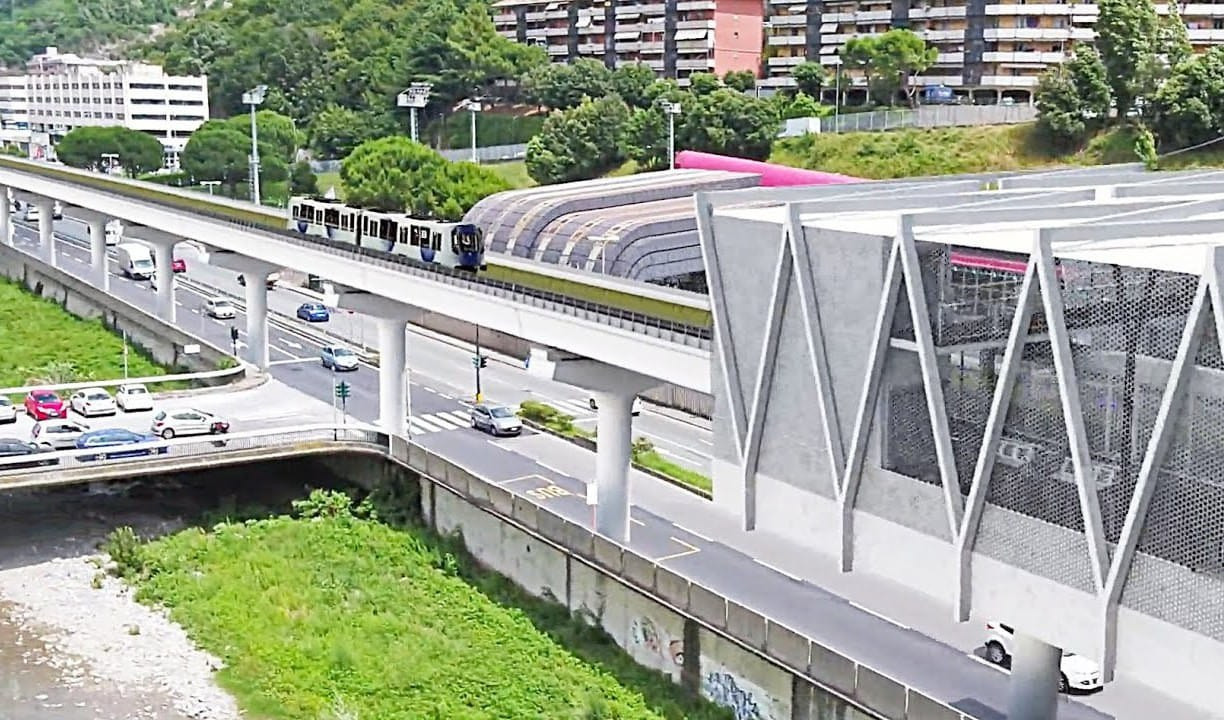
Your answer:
<point x="57" y="434"/>
<point x="338" y="357"/>
<point x="495" y="419"/>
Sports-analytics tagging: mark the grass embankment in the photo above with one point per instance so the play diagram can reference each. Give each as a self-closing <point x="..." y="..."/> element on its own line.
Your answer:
<point x="44" y="345"/>
<point x="645" y="457"/>
<point x="946" y="151"/>
<point x="334" y="614"/>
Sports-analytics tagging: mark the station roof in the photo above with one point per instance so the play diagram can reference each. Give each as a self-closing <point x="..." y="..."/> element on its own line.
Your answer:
<point x="1119" y="214"/>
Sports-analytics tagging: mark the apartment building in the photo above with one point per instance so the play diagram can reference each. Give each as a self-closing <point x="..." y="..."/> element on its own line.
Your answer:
<point x="675" y="37"/>
<point x="14" y="112"/>
<point x="64" y="91"/>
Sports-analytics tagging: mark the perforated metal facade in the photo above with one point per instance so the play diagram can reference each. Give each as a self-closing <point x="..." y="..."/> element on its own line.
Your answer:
<point x="1006" y="392"/>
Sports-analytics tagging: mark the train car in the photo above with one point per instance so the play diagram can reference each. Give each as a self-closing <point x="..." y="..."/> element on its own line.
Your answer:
<point x="448" y="244"/>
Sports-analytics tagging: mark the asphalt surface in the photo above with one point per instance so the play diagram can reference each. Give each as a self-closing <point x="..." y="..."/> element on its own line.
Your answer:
<point x="674" y="527"/>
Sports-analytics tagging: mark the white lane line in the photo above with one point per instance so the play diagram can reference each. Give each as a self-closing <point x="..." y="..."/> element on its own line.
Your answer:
<point x="983" y="661"/>
<point x="704" y="441"/>
<point x="635" y="521"/>
<point x="690" y="550"/>
<point x="429" y="389"/>
<point x="446" y="421"/>
<point x="292" y="361"/>
<point x="460" y="416"/>
<point x="694" y="533"/>
<point x="448" y="397"/>
<point x="179" y="303"/>
<point x="778" y="570"/>
<point x="195" y="311"/>
<point x="290" y="343"/>
<point x="550" y="468"/>
<point x="429" y="423"/>
<point x="286" y="352"/>
<point x="883" y="617"/>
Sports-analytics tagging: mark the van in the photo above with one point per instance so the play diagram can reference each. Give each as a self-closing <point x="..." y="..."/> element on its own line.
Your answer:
<point x="114" y="233"/>
<point x="135" y="261"/>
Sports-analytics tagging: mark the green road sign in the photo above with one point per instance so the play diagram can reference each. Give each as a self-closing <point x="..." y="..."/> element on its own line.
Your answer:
<point x="343" y="390"/>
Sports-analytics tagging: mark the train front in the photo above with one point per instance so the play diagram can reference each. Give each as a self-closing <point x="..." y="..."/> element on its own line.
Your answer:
<point x="468" y="241"/>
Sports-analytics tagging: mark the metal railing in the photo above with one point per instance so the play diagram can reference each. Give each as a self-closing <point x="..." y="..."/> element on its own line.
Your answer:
<point x="669" y="330"/>
<point x="59" y="460"/>
<point x="491" y="153"/>
<point x="927" y="116"/>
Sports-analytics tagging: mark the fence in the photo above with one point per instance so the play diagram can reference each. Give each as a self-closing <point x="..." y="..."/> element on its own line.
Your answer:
<point x="488" y="154"/>
<point x="928" y="116"/>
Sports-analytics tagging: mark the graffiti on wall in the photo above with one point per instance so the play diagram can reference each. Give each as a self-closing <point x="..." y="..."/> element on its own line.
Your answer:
<point x="647" y="639"/>
<point x="721" y="687"/>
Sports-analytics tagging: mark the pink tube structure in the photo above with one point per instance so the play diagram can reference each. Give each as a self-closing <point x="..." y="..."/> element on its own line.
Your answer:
<point x="771" y="175"/>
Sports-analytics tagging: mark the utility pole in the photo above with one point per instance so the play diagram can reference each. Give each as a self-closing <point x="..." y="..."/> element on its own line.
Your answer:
<point x="479" y="361"/>
<point x="254" y="98"/>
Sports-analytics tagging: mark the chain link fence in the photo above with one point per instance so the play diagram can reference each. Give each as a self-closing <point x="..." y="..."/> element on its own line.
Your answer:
<point x="928" y="116"/>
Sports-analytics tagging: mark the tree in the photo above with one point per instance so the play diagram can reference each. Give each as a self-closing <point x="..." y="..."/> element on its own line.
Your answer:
<point x="802" y="105"/>
<point x="704" y="83"/>
<point x="562" y="87"/>
<point x="217" y="151"/>
<point x="302" y="180"/>
<point x="742" y="80"/>
<point x="277" y="133"/>
<point x="1189" y="107"/>
<point x="810" y="78"/>
<point x="1074" y="98"/>
<point x="645" y="138"/>
<point x="448" y="190"/>
<point x="578" y="143"/>
<point x="83" y="147"/>
<point x="889" y="62"/>
<point x="395" y="174"/>
<point x="632" y="82"/>
<point x="1126" y="34"/>
<point x="336" y="131"/>
<point x="729" y="123"/>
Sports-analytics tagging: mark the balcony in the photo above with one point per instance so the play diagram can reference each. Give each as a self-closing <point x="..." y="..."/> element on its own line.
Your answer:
<point x="949" y="80"/>
<point x="1024" y="58"/>
<point x="951" y="58"/>
<point x="695" y="5"/>
<point x="505" y="19"/>
<point x="786" y="20"/>
<point x="1205" y="36"/>
<point x="936" y="13"/>
<point x="1054" y="34"/>
<point x="695" y="24"/>
<point x="695" y="64"/>
<point x="781" y="40"/>
<point x="1031" y="9"/>
<point x="1202" y="10"/>
<point x="872" y="16"/>
<point x="1010" y="81"/>
<point x="957" y="34"/>
<point x="788" y="2"/>
<point x="778" y="62"/>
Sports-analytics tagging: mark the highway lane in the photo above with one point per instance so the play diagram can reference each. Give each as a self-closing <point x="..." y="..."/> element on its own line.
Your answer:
<point x="442" y="366"/>
<point x="679" y="530"/>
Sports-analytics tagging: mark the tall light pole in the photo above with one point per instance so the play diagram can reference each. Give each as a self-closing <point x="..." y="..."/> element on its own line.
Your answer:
<point x="254" y="98"/>
<point x="416" y="97"/>
<point x="672" y="109"/>
<point x="473" y="106"/>
<point x="110" y="161"/>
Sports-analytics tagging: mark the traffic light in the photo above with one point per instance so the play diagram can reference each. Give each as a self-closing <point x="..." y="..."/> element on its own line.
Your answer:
<point x="342" y="390"/>
<point x="484" y="361"/>
<point x="233" y="333"/>
<point x="480" y="361"/>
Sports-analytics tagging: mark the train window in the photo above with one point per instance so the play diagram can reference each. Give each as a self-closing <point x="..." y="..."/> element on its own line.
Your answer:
<point x="420" y="236"/>
<point x="403" y="236"/>
<point x="386" y="229"/>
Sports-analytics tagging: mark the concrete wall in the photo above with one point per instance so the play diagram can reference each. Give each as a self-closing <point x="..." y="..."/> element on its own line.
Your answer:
<point x="164" y="342"/>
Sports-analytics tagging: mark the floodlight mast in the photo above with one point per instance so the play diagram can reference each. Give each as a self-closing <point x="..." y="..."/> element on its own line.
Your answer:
<point x="415" y="98"/>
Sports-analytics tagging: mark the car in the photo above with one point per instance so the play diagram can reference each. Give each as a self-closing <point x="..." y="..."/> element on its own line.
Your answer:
<point x="339" y="358"/>
<point x="219" y="308"/>
<point x="133" y="397"/>
<point x="31" y="212"/>
<point x="637" y="405"/>
<point x="57" y="434"/>
<point x="117" y="438"/>
<point x="8" y="411"/>
<point x="13" y="449"/>
<point x="1075" y="671"/>
<point x="178" y="265"/>
<point x="273" y="279"/>
<point x="92" y="401"/>
<point x="313" y="312"/>
<point x="45" y="405"/>
<point x="57" y="211"/>
<point x="495" y="419"/>
<point x="174" y="422"/>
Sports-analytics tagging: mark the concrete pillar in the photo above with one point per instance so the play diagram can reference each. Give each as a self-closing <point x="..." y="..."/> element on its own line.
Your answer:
<point x="614" y="445"/>
<point x="163" y="259"/>
<point x="256" y="291"/>
<point x="6" y="216"/>
<point x="46" y="231"/>
<point x="97" y="252"/>
<point x="392" y="376"/>
<point x="1035" y="672"/>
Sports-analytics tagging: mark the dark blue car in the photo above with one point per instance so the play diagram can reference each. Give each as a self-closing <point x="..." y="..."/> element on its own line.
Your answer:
<point x="313" y="312"/>
<point x="115" y="438"/>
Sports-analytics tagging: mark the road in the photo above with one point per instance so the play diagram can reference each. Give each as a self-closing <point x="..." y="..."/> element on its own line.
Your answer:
<point x="902" y="634"/>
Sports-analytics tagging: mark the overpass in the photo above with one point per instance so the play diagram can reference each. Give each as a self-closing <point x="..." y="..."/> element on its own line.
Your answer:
<point x="612" y="352"/>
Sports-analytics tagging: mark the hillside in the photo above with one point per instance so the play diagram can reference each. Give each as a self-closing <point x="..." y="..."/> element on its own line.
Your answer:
<point x="80" y="26"/>
<point x="948" y="151"/>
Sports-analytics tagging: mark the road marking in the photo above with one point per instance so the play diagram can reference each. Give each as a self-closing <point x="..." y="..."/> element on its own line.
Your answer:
<point x="983" y="661"/>
<point x="447" y="421"/>
<point x="179" y="303"/>
<point x="290" y="343"/>
<point x="550" y="468"/>
<point x="778" y="570"/>
<point x="448" y="397"/>
<point x="429" y="425"/>
<point x="692" y="532"/>
<point x="429" y="389"/>
<point x="291" y="361"/>
<point x="520" y="479"/>
<point x="460" y="416"/>
<point x="635" y="521"/>
<point x="548" y="492"/>
<point x="690" y="550"/>
<point x="286" y="352"/>
<point x="885" y="618"/>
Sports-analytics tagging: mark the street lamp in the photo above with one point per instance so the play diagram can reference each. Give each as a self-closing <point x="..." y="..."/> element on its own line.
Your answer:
<point x="416" y="97"/>
<point x="473" y="106"/>
<point x="110" y="161"/>
<point x="254" y="98"/>
<point x="210" y="184"/>
<point x="672" y="109"/>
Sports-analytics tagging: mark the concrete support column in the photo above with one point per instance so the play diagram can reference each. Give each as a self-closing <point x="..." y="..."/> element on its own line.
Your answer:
<point x="1035" y="671"/>
<point x="613" y="449"/>
<point x="256" y="292"/>
<point x="97" y="252"/>
<point x="392" y="370"/>
<point x="46" y="231"/>
<point x="163" y="259"/>
<point x="6" y="217"/>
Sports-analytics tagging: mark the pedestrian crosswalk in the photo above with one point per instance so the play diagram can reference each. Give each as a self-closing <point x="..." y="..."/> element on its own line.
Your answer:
<point x="439" y="421"/>
<point x="577" y="408"/>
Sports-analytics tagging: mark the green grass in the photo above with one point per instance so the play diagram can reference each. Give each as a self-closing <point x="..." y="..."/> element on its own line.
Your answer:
<point x="46" y="345"/>
<point x="654" y="461"/>
<point x="329" y="180"/>
<point x="513" y="172"/>
<point x="337" y="616"/>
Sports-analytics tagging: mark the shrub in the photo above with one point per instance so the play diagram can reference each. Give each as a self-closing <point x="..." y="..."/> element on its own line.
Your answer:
<point x="126" y="550"/>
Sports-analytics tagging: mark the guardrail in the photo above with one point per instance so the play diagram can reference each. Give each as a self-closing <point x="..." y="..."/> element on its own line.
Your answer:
<point x="238" y="369"/>
<point x="565" y="304"/>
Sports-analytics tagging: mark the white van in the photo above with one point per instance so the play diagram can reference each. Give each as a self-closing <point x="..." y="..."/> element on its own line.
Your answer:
<point x="135" y="261"/>
<point x="114" y="233"/>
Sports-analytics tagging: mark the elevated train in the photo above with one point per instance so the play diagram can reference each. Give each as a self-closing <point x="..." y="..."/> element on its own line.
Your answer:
<point x="448" y="244"/>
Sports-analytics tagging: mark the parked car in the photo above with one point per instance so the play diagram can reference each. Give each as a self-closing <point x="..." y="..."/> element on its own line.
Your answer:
<point x="637" y="405"/>
<point x="273" y="279"/>
<point x="92" y="401"/>
<point x="8" y="411"/>
<point x="12" y="449"/>
<point x="45" y="405"/>
<point x="495" y="419"/>
<point x="313" y="312"/>
<point x="187" y="421"/>
<point x="57" y="434"/>
<point x="339" y="358"/>
<point x="220" y="308"/>
<point x="178" y="265"/>
<point x="1076" y="672"/>
<point x="116" y="438"/>
<point x="133" y="397"/>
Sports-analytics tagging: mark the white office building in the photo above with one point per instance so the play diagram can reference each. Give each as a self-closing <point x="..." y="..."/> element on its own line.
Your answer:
<point x="14" y="112"/>
<point x="62" y="91"/>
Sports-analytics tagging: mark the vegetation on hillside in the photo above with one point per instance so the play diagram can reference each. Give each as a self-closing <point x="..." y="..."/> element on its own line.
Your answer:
<point x="28" y="27"/>
<point x="334" y="613"/>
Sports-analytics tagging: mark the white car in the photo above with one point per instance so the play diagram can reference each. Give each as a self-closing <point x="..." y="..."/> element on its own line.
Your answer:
<point x="31" y="212"/>
<point x="8" y="411"/>
<point x="57" y="434"/>
<point x="92" y="401"/>
<point x="133" y="398"/>
<point x="1076" y="672"/>
<point x="176" y="422"/>
<point x="220" y="308"/>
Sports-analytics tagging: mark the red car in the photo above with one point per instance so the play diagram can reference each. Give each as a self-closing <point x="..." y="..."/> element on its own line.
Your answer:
<point x="45" y="405"/>
<point x="178" y="265"/>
